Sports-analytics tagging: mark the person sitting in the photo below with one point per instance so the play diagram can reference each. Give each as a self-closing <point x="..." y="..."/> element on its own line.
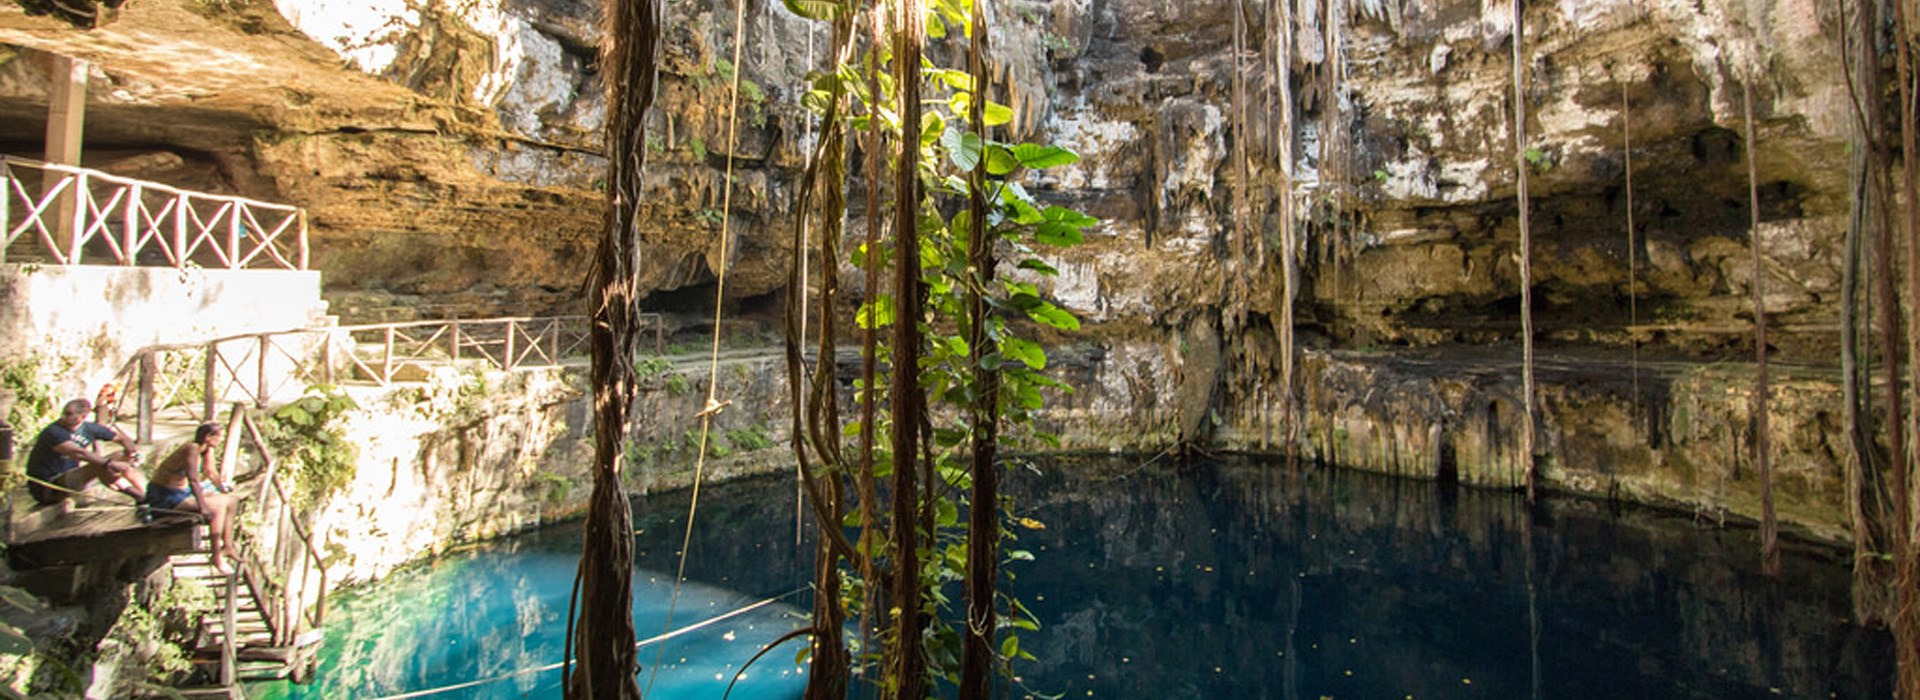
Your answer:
<point x="64" y="460"/>
<point x="186" y="481"/>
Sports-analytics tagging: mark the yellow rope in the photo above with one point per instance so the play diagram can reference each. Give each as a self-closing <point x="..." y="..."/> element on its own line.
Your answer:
<point x="644" y="642"/>
<point x="110" y="505"/>
<point x="713" y="406"/>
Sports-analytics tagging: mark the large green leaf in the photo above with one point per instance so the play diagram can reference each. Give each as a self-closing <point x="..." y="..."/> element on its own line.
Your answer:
<point x="1038" y="265"/>
<point x="814" y="9"/>
<point x="1054" y="316"/>
<point x="877" y="313"/>
<point x="1025" y="351"/>
<point x="1068" y="216"/>
<point x="1037" y="157"/>
<point x="1058" y="233"/>
<point x="1000" y="160"/>
<point x="963" y="147"/>
<point x="13" y="642"/>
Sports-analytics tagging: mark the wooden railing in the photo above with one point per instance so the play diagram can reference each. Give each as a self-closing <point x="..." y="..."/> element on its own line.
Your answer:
<point x="279" y="561"/>
<point x="76" y="215"/>
<point x="258" y="368"/>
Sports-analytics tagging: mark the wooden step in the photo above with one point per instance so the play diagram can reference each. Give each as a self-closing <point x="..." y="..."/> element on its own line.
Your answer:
<point x="212" y="692"/>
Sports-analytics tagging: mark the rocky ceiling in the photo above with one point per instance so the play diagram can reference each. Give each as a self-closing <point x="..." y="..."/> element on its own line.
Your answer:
<point x="448" y="152"/>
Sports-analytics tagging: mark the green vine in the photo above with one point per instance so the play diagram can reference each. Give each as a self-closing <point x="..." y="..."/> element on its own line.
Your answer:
<point x="966" y="360"/>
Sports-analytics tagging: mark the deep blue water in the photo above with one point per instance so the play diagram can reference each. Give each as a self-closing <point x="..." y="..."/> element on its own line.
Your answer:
<point x="1209" y="581"/>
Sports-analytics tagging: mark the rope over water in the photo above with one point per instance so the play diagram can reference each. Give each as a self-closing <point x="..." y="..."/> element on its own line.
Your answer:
<point x="656" y="639"/>
<point x="713" y="405"/>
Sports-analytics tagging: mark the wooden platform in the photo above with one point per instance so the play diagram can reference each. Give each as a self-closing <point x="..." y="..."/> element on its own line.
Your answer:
<point x="82" y="530"/>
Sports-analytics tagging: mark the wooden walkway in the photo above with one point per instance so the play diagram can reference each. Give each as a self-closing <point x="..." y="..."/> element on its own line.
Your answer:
<point x="84" y="530"/>
<point x="269" y="624"/>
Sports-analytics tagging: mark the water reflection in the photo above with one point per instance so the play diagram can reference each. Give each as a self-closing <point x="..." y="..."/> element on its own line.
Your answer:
<point x="476" y="623"/>
<point x="1234" y="581"/>
<point x="1217" y="581"/>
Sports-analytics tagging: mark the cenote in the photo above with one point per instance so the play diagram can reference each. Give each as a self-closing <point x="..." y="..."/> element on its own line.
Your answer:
<point x="1208" y="580"/>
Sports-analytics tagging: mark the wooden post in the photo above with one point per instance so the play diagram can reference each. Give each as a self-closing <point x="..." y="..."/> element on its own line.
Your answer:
<point x="454" y="340"/>
<point x="148" y="367"/>
<point x="386" y="360"/>
<point x="553" y="342"/>
<point x="303" y="238"/>
<point x="506" y="360"/>
<point x="6" y="208"/>
<point x="74" y="215"/>
<point x="66" y="121"/>
<point x="230" y="450"/>
<point x="233" y="236"/>
<point x="260" y="392"/>
<point x="211" y="398"/>
<point x="180" y="204"/>
<point x="326" y="357"/>
<point x="226" y="642"/>
<point x="131" y="233"/>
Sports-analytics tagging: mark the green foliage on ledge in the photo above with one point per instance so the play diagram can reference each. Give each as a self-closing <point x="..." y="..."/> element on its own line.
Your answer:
<point x="308" y="433"/>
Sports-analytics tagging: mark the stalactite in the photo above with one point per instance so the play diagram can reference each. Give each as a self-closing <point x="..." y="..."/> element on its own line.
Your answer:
<point x="1526" y="248"/>
<point x="1762" y="453"/>
<point x="1235" y="315"/>
<point x="1633" y="257"/>
<point x="1331" y="141"/>
<point x="1283" y="71"/>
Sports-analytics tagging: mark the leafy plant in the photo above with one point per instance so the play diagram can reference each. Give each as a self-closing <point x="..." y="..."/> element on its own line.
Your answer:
<point x="1538" y="158"/>
<point x="33" y="399"/>
<point x="978" y="353"/>
<point x="749" y="439"/>
<point x="159" y="630"/>
<point x="307" y="433"/>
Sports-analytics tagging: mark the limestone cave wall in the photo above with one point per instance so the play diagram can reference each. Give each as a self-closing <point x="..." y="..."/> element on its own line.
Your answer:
<point x="450" y="153"/>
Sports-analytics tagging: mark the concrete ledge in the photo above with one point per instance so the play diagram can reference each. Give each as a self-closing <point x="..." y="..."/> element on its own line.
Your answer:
<point x="89" y="319"/>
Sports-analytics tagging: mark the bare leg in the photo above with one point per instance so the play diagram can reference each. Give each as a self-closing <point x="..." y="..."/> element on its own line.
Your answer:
<point x="119" y="475"/>
<point x="221" y="526"/>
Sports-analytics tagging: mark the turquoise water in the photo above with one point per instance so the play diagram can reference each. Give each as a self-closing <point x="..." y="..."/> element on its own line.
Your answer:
<point x="494" y="615"/>
<point x="1208" y="581"/>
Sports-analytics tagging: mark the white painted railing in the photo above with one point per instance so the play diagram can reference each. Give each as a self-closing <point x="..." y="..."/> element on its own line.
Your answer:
<point x="70" y="216"/>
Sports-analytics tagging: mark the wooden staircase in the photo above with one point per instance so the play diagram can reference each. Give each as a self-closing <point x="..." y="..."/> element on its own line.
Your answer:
<point x="265" y="626"/>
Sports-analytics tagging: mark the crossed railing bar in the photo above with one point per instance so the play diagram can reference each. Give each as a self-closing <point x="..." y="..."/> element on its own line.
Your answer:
<point x="74" y="214"/>
<point x="256" y="367"/>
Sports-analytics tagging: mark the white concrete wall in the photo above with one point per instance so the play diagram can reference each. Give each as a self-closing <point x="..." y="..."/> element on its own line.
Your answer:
<point x="85" y="321"/>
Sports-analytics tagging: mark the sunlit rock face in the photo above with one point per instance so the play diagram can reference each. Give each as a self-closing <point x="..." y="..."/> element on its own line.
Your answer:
<point x="452" y="151"/>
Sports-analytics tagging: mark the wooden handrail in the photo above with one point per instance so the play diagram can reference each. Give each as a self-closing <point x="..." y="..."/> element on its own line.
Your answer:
<point x="291" y="609"/>
<point x="246" y="365"/>
<point x="126" y="224"/>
